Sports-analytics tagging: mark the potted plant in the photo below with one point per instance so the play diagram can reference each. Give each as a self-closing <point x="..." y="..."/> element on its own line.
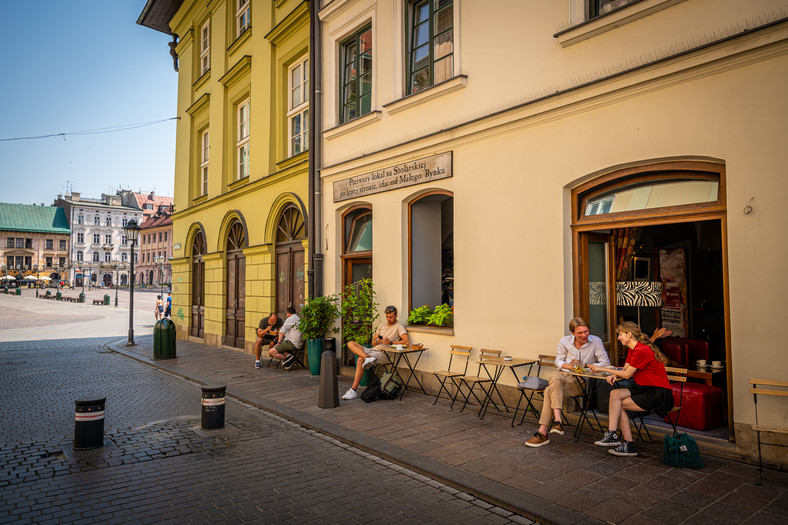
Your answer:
<point x="359" y="314"/>
<point x="420" y="315"/>
<point x="316" y="318"/>
<point x="442" y="315"/>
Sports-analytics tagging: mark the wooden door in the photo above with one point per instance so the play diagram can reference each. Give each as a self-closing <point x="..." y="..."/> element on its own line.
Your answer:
<point x="235" y="291"/>
<point x="198" y="287"/>
<point x="290" y="268"/>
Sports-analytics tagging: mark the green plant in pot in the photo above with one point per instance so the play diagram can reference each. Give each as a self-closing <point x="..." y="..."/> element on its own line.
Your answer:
<point x="315" y="319"/>
<point x="420" y="315"/>
<point x="359" y="311"/>
<point x="443" y="315"/>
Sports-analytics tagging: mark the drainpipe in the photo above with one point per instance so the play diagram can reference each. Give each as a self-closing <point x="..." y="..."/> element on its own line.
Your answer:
<point x="315" y="156"/>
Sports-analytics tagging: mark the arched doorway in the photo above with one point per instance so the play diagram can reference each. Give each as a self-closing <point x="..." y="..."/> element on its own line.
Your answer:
<point x="649" y="247"/>
<point x="150" y="277"/>
<point x="290" y="271"/>
<point x="124" y="279"/>
<point x="236" y="285"/>
<point x="107" y="279"/>
<point x="198" y="285"/>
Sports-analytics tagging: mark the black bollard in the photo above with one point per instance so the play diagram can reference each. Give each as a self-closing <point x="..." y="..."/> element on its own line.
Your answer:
<point x="213" y="407"/>
<point x="328" y="395"/>
<point x="89" y="424"/>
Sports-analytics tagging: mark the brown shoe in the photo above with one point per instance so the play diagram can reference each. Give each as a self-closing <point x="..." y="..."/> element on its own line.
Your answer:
<point x="557" y="428"/>
<point x="538" y="440"/>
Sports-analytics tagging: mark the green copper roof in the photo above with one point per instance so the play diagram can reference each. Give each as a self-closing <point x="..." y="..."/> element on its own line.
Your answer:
<point x="28" y="218"/>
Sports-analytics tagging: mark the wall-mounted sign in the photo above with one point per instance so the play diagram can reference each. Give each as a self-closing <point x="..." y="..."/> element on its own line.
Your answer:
<point x="407" y="174"/>
<point x="176" y="246"/>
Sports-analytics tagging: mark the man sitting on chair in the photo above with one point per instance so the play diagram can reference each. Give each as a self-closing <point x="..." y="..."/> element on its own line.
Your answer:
<point x="578" y="348"/>
<point x="289" y="340"/>
<point x="266" y="335"/>
<point x="389" y="333"/>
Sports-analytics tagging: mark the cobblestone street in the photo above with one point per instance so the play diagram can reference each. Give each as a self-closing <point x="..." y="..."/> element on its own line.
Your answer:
<point x="158" y="466"/>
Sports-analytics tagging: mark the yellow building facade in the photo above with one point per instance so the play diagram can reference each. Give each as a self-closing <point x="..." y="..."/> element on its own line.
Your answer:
<point x="239" y="231"/>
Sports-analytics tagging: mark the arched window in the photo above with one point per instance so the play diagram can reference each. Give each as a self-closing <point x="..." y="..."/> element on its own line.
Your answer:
<point x="431" y="250"/>
<point x="80" y="256"/>
<point x="95" y="257"/>
<point x="357" y="244"/>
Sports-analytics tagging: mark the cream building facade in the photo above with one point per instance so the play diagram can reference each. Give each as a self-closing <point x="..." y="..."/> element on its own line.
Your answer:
<point x="525" y="162"/>
<point x="239" y="231"/>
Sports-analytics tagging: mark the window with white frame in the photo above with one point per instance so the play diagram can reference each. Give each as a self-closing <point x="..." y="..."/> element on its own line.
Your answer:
<point x="107" y="257"/>
<point x="298" y="107"/>
<point x="62" y="244"/>
<point x="205" y="47"/>
<point x="80" y="237"/>
<point x="96" y="221"/>
<point x="356" y="75"/>
<point x="79" y="255"/>
<point x="108" y="221"/>
<point x="108" y="239"/>
<point x="242" y="17"/>
<point x="431" y="43"/>
<point x="96" y="238"/>
<point x="123" y="240"/>
<point x="95" y="257"/>
<point x="80" y="219"/>
<point x="124" y="257"/>
<point x="204" y="163"/>
<point x="242" y="141"/>
<point x="125" y="222"/>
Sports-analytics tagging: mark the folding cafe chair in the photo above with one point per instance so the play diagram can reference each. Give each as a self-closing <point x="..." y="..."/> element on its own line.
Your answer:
<point x="463" y="353"/>
<point x="471" y="381"/>
<point x="675" y="375"/>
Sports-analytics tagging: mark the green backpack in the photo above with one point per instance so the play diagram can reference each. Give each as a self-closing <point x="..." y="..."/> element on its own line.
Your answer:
<point x="681" y="450"/>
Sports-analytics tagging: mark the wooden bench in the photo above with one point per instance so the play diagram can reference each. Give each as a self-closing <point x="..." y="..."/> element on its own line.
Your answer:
<point x="98" y="301"/>
<point x="70" y="299"/>
<point x="780" y="389"/>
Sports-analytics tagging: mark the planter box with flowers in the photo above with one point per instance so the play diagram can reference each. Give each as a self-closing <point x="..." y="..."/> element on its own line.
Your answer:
<point x="442" y="315"/>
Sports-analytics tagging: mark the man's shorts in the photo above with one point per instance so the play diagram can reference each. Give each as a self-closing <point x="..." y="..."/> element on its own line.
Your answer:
<point x="286" y="346"/>
<point x="378" y="354"/>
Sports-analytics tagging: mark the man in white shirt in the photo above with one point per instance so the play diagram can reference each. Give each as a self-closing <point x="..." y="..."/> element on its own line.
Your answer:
<point x="389" y="333"/>
<point x="578" y="348"/>
<point x="289" y="340"/>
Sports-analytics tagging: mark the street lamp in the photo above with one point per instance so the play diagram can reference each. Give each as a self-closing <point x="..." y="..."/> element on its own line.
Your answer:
<point x="116" y="267"/>
<point x="132" y="232"/>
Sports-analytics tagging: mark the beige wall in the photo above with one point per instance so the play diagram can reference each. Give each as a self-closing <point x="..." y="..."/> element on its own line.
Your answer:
<point x="524" y="131"/>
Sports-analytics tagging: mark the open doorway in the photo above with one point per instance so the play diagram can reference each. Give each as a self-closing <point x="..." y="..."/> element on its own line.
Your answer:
<point x="649" y="247"/>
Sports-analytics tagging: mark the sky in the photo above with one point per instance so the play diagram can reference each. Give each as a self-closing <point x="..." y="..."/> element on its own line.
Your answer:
<point x="78" y="65"/>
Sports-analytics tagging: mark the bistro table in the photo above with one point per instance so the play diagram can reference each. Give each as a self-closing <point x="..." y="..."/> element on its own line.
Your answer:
<point x="586" y="393"/>
<point x="704" y="373"/>
<point x="500" y="365"/>
<point x="396" y="356"/>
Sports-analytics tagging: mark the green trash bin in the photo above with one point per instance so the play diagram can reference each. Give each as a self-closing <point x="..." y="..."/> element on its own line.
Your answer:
<point x="106" y="299"/>
<point x="82" y="298"/>
<point x="48" y="293"/>
<point x="58" y="295"/>
<point x="18" y="291"/>
<point x="164" y="339"/>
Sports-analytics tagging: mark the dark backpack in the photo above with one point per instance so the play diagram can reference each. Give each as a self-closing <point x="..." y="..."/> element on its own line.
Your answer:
<point x="390" y="385"/>
<point x="372" y="392"/>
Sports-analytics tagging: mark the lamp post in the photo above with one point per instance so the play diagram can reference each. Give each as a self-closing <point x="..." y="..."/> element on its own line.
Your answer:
<point x="116" y="266"/>
<point x="132" y="232"/>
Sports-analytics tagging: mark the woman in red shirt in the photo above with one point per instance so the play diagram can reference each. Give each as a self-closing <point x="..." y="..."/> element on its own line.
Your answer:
<point x="651" y="391"/>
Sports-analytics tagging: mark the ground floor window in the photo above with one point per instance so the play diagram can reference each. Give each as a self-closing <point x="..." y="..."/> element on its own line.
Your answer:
<point x="431" y="250"/>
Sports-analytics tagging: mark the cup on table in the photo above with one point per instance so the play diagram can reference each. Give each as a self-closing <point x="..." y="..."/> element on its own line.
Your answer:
<point x="716" y="364"/>
<point x="701" y="363"/>
<point x="398" y="347"/>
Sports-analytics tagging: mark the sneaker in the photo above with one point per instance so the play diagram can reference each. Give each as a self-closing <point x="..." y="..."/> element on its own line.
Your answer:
<point x="369" y="362"/>
<point x="557" y="428"/>
<point x="257" y="364"/>
<point x="538" y="440"/>
<point x="289" y="361"/>
<point x="350" y="394"/>
<point x="627" y="448"/>
<point x="610" y="440"/>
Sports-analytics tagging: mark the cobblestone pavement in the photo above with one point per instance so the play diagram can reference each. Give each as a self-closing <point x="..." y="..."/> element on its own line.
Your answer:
<point x="158" y="466"/>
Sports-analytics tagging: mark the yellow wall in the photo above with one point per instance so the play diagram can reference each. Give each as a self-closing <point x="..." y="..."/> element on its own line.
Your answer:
<point x="254" y="66"/>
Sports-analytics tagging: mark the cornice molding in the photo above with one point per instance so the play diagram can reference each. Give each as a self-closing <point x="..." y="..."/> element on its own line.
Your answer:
<point x="291" y="23"/>
<point x="241" y="68"/>
<point x="200" y="105"/>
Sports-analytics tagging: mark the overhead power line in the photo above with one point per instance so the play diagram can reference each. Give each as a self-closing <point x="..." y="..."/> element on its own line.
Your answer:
<point x="98" y="131"/>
